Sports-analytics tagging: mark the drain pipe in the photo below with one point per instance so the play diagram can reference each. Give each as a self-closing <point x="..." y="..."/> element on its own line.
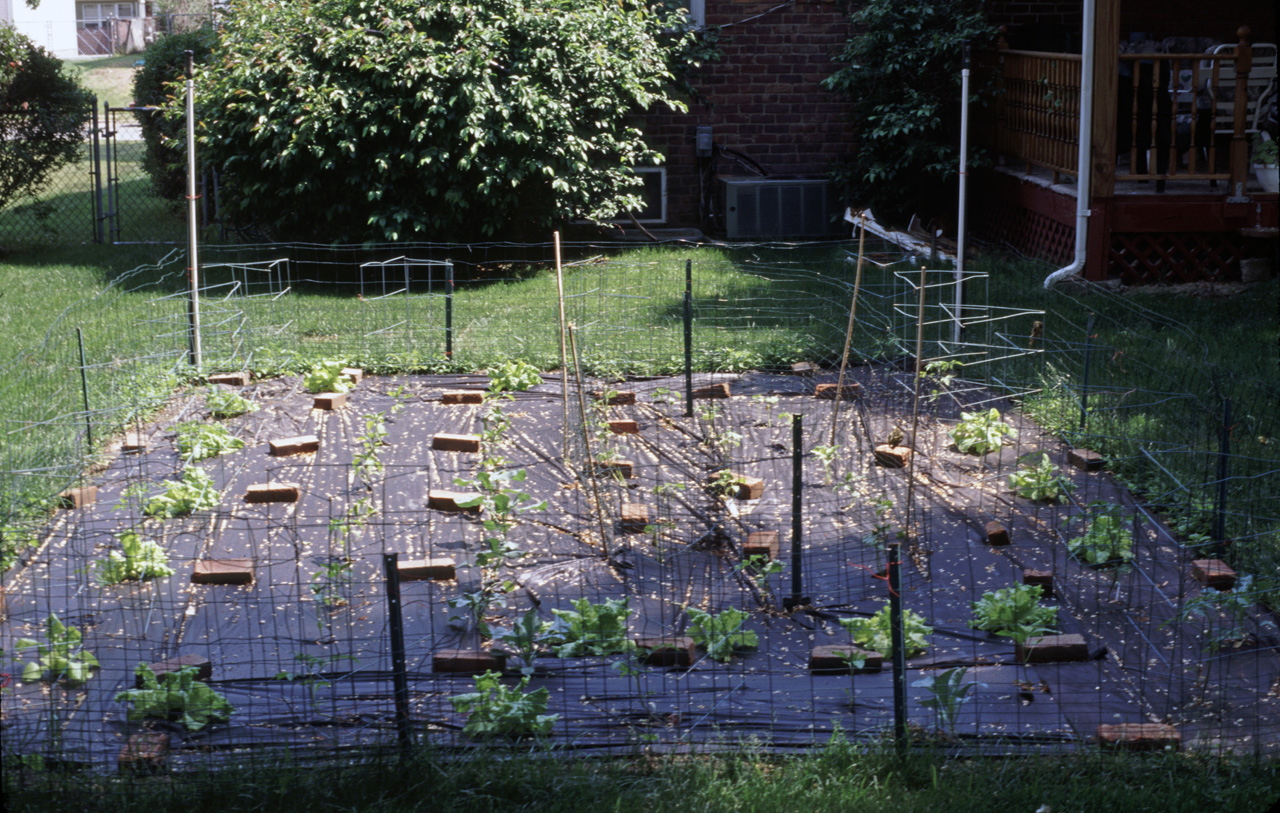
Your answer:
<point x="1083" y="155"/>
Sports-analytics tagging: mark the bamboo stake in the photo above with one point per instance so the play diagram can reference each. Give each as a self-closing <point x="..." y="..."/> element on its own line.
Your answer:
<point x="592" y="471"/>
<point x="564" y="361"/>
<point x="848" y="332"/>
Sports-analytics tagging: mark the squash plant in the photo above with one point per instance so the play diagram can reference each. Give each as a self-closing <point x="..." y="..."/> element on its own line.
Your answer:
<point x="60" y="657"/>
<point x="591" y="629"/>
<point x="1014" y="612"/>
<point x="200" y="441"/>
<point x="179" y="696"/>
<point x="1040" y="482"/>
<point x="194" y="492"/>
<point x="876" y="633"/>
<point x="981" y="432"/>
<point x="1106" y="540"/>
<point x="494" y="710"/>
<point x="720" y="634"/>
<point x="140" y="559"/>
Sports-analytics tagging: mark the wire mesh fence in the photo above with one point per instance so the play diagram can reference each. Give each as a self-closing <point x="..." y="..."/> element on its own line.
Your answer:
<point x="690" y="532"/>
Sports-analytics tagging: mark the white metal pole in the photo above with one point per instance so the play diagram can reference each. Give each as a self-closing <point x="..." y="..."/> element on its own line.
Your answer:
<point x="964" y="182"/>
<point x="193" y="268"/>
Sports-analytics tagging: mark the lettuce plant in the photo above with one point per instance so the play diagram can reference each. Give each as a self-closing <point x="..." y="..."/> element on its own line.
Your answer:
<point x="981" y="432"/>
<point x="326" y="376"/>
<point x="720" y="634"/>
<point x="494" y="710"/>
<point x="876" y="633"/>
<point x="179" y="696"/>
<point x="140" y="559"/>
<point x="60" y="657"/>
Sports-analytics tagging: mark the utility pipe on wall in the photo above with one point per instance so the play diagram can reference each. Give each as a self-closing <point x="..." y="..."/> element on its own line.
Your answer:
<point x="1084" y="155"/>
<point x="964" y="180"/>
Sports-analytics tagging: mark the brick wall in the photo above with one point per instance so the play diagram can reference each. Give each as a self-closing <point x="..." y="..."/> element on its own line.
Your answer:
<point x="761" y="99"/>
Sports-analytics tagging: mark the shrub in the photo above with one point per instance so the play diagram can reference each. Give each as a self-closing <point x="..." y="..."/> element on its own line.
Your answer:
<point x="42" y="114"/>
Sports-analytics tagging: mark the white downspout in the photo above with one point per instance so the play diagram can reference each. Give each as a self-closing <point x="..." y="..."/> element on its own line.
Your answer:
<point x="1084" y="155"/>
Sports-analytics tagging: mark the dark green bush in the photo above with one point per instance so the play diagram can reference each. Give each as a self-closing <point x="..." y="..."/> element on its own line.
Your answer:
<point x="902" y="76"/>
<point x="159" y="83"/>
<point x="42" y="113"/>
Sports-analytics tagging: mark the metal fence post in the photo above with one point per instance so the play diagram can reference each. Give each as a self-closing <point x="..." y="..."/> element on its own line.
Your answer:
<point x="688" y="338"/>
<point x="399" y="669"/>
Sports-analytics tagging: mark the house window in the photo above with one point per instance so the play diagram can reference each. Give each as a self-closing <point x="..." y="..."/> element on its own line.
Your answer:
<point x="96" y="15"/>
<point x="698" y="13"/>
<point x="653" y="193"/>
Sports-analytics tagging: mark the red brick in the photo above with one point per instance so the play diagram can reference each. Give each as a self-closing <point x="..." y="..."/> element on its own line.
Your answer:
<point x="713" y="391"/>
<point x="435" y="569"/>
<point x="1086" y="459"/>
<point x="892" y="457"/>
<point x="804" y="368"/>
<point x="162" y="669"/>
<point x="467" y="661"/>
<point x="1213" y="573"/>
<point x="1044" y="578"/>
<point x="624" y="398"/>
<point x="832" y="658"/>
<point x="624" y="427"/>
<point x="761" y="543"/>
<point x="444" y="442"/>
<point x="272" y="492"/>
<point x="145" y="752"/>
<point x="455" y="397"/>
<point x="448" y="500"/>
<point x="743" y="487"/>
<point x="301" y="444"/>
<point x="828" y="392"/>
<point x="667" y="651"/>
<point x="634" y="517"/>
<point x="133" y="442"/>
<point x="78" y="497"/>
<point x="353" y="374"/>
<point x="240" y="379"/>
<point x="1053" y="649"/>
<point x="223" y="571"/>
<point x="1140" y="736"/>
<point x="330" y="400"/>
<point x="996" y="533"/>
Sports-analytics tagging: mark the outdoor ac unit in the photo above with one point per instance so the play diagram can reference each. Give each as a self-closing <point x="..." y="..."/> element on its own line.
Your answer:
<point x="759" y="208"/>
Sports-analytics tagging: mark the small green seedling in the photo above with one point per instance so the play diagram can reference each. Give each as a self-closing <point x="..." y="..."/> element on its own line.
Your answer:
<point x="759" y="566"/>
<point x="179" y="696"/>
<point x="981" y="433"/>
<point x="196" y="491"/>
<point x="949" y="692"/>
<point x="494" y="710"/>
<point x="327" y="376"/>
<point x="1106" y="541"/>
<point x="513" y="376"/>
<point x="876" y="633"/>
<point x="722" y="633"/>
<point x="1013" y="608"/>
<point x="1236" y="604"/>
<point x="943" y="372"/>
<point x="200" y="441"/>
<point x="140" y="559"/>
<point x="309" y="673"/>
<point x="591" y="629"/>
<point x="60" y="658"/>
<point x="524" y="639"/>
<point x="827" y="457"/>
<point x="227" y="404"/>
<point x="1041" y="482"/>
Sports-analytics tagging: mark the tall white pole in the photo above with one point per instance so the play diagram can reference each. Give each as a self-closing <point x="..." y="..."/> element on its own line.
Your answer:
<point x="193" y="267"/>
<point x="964" y="182"/>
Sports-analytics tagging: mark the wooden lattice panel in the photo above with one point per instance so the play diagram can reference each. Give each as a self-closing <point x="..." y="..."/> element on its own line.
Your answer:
<point x="1174" y="257"/>
<point x="1029" y="232"/>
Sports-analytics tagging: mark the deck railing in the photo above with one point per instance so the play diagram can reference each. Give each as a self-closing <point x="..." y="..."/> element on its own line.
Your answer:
<point x="1176" y="115"/>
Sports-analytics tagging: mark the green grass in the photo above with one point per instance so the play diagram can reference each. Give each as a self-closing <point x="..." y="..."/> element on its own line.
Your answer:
<point x="109" y="78"/>
<point x="837" y="779"/>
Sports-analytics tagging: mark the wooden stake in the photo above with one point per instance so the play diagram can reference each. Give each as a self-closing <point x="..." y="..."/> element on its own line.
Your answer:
<point x="564" y="360"/>
<point x="848" y="332"/>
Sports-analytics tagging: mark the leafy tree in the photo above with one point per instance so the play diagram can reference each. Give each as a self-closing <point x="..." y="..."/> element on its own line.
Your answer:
<point x="159" y="83"/>
<point x="42" y="114"/>
<point x="902" y="77"/>
<point x="351" y="120"/>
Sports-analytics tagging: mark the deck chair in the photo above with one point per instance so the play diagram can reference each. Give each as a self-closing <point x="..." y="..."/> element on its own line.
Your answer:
<point x="1260" y="87"/>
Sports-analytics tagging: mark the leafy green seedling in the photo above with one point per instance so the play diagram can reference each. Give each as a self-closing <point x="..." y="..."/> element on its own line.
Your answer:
<point x="227" y="404"/>
<point x="722" y="633"/>
<point x="1010" y="608"/>
<point x="494" y="710"/>
<point x="1106" y="540"/>
<point x="14" y="538"/>
<point x="759" y="566"/>
<point x="194" y="492"/>
<point x="179" y="696"/>
<point x="827" y="457"/>
<point x="513" y="376"/>
<point x="141" y="559"/>
<point x="309" y="674"/>
<point x="523" y="639"/>
<point x="60" y="657"/>
<point x="876" y="633"/>
<point x="1040" y="482"/>
<point x="981" y="432"/>
<point x="948" y="692"/>
<point x="591" y="629"/>
<point x="200" y="441"/>
<point x="327" y="376"/>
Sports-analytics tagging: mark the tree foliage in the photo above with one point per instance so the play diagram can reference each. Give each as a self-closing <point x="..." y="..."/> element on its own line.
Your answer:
<point x="42" y="113"/>
<point x="353" y="120"/>
<point x="159" y="83"/>
<point x="902" y="76"/>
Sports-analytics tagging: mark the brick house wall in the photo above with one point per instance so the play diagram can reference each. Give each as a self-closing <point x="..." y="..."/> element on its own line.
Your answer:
<point x="762" y="99"/>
